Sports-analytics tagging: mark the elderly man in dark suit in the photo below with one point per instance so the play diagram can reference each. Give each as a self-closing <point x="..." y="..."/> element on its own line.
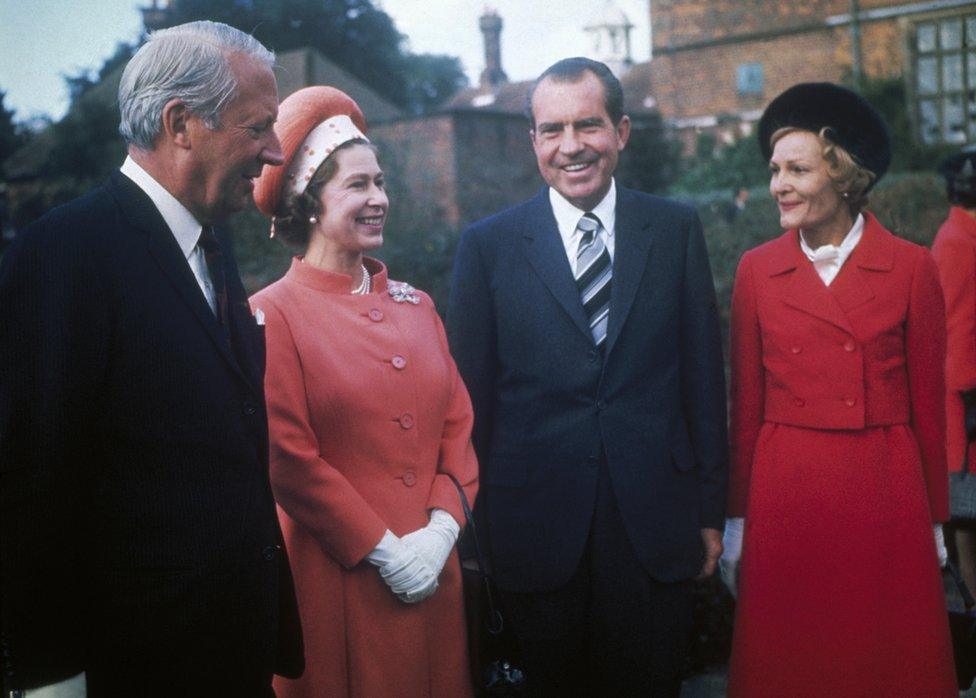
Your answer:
<point x="584" y="324"/>
<point x="141" y="551"/>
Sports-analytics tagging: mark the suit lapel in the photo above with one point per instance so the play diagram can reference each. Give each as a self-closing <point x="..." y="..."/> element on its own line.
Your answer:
<point x="544" y="249"/>
<point x="874" y="253"/>
<point x="633" y="233"/>
<point x="141" y="213"/>
<point x="805" y="290"/>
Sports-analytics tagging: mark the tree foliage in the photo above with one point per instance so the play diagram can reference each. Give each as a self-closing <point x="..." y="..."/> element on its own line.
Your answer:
<point x="652" y="159"/>
<point x="11" y="137"/>
<point x="354" y="33"/>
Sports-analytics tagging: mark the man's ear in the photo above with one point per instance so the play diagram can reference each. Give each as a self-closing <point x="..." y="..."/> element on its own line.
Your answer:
<point x="176" y="119"/>
<point x="623" y="132"/>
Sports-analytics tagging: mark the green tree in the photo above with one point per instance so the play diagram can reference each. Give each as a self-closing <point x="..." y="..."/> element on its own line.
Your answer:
<point x="11" y="137"/>
<point x="652" y="159"/>
<point x="354" y="33"/>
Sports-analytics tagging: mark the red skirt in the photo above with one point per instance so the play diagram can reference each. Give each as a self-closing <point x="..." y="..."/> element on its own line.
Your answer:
<point x="840" y="589"/>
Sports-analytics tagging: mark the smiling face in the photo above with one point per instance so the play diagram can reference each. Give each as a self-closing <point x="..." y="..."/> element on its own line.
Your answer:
<point x="801" y="184"/>
<point x="353" y="202"/>
<point x="227" y="159"/>
<point x="576" y="144"/>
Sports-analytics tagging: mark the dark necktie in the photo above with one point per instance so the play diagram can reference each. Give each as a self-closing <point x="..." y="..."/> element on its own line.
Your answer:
<point x="594" y="274"/>
<point x="215" y="265"/>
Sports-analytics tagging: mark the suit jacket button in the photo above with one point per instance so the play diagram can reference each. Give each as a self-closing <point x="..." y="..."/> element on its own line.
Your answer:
<point x="375" y="314"/>
<point x="601" y="405"/>
<point x="250" y="408"/>
<point x="406" y="420"/>
<point x="269" y="553"/>
<point x="849" y="346"/>
<point x="798" y="401"/>
<point x="851" y="401"/>
<point x="796" y="350"/>
<point x="592" y="355"/>
<point x="410" y="478"/>
<point x="399" y="363"/>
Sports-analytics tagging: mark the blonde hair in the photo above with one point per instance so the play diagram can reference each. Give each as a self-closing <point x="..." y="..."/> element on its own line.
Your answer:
<point x="849" y="177"/>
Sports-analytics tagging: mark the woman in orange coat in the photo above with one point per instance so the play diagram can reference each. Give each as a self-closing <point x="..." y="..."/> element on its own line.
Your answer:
<point x="838" y="454"/>
<point x="369" y="421"/>
<point x="954" y="251"/>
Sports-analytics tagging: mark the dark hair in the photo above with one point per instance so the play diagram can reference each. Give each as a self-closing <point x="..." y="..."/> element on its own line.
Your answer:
<point x="573" y="70"/>
<point x="291" y="222"/>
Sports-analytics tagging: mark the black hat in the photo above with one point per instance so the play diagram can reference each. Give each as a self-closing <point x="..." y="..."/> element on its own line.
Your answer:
<point x="854" y="124"/>
<point x="959" y="171"/>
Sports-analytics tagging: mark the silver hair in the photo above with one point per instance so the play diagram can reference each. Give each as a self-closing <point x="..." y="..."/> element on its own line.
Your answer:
<point x="188" y="62"/>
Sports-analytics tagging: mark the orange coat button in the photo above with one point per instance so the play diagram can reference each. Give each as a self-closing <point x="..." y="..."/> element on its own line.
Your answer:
<point x="798" y="401"/>
<point x="850" y="402"/>
<point x="849" y="346"/>
<point x="796" y="350"/>
<point x="409" y="478"/>
<point x="375" y="315"/>
<point x="406" y="420"/>
<point x="398" y="362"/>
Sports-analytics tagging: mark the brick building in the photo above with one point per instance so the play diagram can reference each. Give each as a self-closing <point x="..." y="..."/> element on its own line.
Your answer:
<point x="716" y="63"/>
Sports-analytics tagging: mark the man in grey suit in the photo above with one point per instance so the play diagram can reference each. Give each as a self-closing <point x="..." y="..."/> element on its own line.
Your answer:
<point x="584" y="324"/>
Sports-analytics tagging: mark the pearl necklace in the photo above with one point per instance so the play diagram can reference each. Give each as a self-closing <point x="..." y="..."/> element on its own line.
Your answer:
<point x="366" y="285"/>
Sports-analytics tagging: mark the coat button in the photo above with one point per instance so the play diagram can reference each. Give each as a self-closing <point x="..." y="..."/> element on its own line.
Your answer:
<point x="592" y="356"/>
<point x="269" y="552"/>
<point x="601" y="405"/>
<point x="250" y="408"/>
<point x="410" y="478"/>
<point x="398" y="362"/>
<point x="375" y="314"/>
<point x="796" y="350"/>
<point x="849" y="345"/>
<point x="851" y="401"/>
<point x="798" y="401"/>
<point x="406" y="420"/>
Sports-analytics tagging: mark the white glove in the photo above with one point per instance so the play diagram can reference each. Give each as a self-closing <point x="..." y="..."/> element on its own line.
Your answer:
<point x="940" y="545"/>
<point x="728" y="564"/>
<point x="69" y="688"/>
<point x="403" y="570"/>
<point x="434" y="541"/>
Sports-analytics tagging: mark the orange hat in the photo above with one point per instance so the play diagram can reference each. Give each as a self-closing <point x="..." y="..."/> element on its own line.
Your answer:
<point x="307" y="140"/>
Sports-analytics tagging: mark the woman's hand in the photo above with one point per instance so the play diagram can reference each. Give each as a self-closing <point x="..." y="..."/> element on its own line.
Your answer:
<point x="406" y="573"/>
<point x="434" y="541"/>
<point x="728" y="564"/>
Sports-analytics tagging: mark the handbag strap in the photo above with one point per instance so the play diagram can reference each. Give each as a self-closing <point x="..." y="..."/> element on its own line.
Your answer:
<point x="495" y="621"/>
<point x="967" y="598"/>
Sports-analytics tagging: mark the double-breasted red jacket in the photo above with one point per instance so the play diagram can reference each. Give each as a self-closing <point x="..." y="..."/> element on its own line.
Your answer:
<point x="867" y="351"/>
<point x="954" y="251"/>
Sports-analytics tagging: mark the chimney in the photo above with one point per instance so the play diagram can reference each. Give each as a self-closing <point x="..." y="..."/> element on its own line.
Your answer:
<point x="491" y="26"/>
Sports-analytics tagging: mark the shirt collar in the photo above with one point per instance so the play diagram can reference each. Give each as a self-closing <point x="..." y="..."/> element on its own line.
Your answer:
<point x="567" y="215"/>
<point x="183" y="225"/>
<point x="846" y="246"/>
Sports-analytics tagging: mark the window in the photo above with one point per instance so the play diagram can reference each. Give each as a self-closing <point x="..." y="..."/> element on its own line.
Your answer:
<point x="749" y="78"/>
<point x="945" y="79"/>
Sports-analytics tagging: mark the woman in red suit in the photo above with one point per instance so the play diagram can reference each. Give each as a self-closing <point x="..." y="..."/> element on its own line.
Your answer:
<point x="954" y="251"/>
<point x="838" y="435"/>
<point x="369" y="421"/>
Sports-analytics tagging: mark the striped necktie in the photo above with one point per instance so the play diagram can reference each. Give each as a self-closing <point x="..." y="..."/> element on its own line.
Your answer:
<point x="215" y="265"/>
<point x="593" y="276"/>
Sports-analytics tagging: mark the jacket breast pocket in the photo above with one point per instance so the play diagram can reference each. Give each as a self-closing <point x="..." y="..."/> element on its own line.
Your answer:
<point x="504" y="472"/>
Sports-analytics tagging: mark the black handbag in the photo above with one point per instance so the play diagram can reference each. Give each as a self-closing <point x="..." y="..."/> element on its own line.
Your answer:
<point x="492" y="647"/>
<point x="962" y="486"/>
<point x="962" y="626"/>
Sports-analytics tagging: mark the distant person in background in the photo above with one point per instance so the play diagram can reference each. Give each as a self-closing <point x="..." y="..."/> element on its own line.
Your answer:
<point x="141" y="554"/>
<point x="954" y="250"/>
<point x="737" y="205"/>
<point x="369" y="422"/>
<point x="838" y="426"/>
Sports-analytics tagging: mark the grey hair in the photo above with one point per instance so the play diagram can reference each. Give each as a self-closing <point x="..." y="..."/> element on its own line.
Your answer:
<point x="188" y="62"/>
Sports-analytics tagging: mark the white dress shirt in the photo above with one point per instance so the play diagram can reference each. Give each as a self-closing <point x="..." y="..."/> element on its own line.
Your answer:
<point x="828" y="259"/>
<point x="567" y="216"/>
<point x="184" y="226"/>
